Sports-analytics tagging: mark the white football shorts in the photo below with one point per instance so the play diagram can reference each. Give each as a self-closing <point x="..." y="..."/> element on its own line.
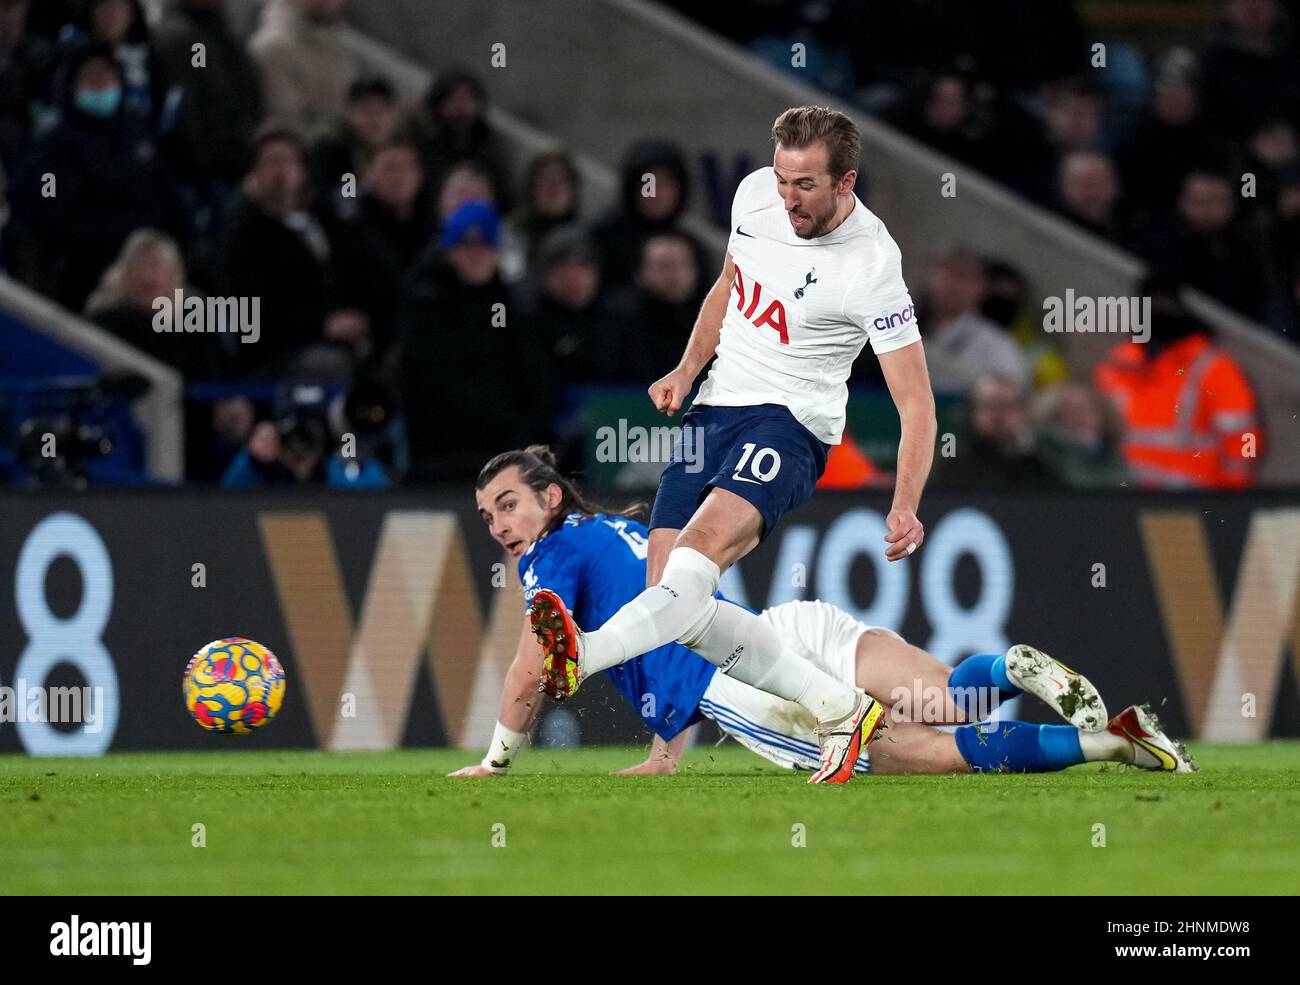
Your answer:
<point x="777" y="729"/>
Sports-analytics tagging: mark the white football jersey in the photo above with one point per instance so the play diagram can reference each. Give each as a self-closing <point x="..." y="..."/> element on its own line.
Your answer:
<point x="801" y="310"/>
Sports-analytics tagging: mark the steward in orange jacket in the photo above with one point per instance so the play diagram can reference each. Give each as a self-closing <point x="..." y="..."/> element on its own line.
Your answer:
<point x="1190" y="411"/>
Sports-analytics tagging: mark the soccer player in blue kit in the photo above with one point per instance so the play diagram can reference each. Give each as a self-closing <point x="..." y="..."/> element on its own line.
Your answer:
<point x="810" y="277"/>
<point x="598" y="560"/>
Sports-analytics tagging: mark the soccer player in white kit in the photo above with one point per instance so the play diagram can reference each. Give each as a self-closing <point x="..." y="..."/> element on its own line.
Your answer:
<point x="810" y="277"/>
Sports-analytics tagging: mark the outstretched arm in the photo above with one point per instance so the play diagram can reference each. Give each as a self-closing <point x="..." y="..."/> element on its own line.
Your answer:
<point x="909" y="385"/>
<point x="520" y="705"/>
<point x="663" y="757"/>
<point x="669" y="392"/>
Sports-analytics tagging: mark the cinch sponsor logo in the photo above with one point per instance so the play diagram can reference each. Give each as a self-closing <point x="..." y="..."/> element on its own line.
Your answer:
<point x="103" y="939"/>
<point x="895" y="319"/>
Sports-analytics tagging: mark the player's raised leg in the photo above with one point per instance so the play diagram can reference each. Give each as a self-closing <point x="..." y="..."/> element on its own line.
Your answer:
<point x="682" y="607"/>
<point x="1069" y="692"/>
<point x="723" y="529"/>
<point x="912" y="683"/>
<point x="918" y="687"/>
<point x="661" y="545"/>
<point x="983" y="680"/>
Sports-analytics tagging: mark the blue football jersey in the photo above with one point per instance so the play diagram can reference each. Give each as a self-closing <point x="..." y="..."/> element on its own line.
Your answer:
<point x="597" y="565"/>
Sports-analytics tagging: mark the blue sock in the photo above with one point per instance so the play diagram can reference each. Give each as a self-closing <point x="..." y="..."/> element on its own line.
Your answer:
<point x="1018" y="747"/>
<point x="980" y="674"/>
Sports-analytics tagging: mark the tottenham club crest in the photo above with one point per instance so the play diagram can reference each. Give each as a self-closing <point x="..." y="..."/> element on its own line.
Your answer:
<point x="809" y="279"/>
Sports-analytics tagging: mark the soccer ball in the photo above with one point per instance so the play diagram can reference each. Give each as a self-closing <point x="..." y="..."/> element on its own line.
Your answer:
<point x="233" y="685"/>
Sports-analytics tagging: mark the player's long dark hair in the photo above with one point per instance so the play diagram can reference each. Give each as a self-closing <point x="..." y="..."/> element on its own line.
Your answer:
<point x="538" y="468"/>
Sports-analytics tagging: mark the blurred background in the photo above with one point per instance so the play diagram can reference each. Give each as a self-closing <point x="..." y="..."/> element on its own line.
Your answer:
<point x="432" y="214"/>
<point x="438" y="207"/>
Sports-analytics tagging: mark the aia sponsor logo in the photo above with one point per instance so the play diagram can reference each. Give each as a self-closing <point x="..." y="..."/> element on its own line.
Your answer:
<point x="749" y="302"/>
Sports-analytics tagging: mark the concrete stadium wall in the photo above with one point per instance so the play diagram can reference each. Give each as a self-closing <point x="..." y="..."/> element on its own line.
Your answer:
<point x="600" y="74"/>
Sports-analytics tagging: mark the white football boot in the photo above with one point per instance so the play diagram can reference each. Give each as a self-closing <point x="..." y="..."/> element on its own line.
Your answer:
<point x="1069" y="692"/>
<point x="843" y="740"/>
<point x="1152" y="748"/>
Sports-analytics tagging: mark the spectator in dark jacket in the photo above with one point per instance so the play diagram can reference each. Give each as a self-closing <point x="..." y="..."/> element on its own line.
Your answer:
<point x="570" y="316"/>
<point x="276" y="249"/>
<point x="550" y="200"/>
<point x="47" y="18"/>
<point x="378" y="247"/>
<point x="657" y="314"/>
<point x="997" y="450"/>
<point x="457" y="132"/>
<point x="26" y="61"/>
<point x="945" y="115"/>
<point x="1170" y="139"/>
<point x="1251" y="67"/>
<point x="1203" y="244"/>
<point x="470" y="378"/>
<point x="371" y="121"/>
<point x="88" y="166"/>
<point x="654" y="194"/>
<point x="219" y="100"/>
<point x="1090" y="193"/>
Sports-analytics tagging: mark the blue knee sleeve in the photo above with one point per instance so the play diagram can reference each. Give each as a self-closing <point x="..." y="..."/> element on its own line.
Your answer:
<point x="981" y="673"/>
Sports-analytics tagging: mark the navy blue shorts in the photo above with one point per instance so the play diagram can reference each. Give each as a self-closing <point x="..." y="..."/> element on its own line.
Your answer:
<point x="762" y="454"/>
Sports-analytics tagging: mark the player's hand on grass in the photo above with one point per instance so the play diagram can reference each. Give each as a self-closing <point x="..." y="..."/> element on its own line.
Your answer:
<point x="906" y="534"/>
<point x="668" y="392"/>
<point x="475" y="770"/>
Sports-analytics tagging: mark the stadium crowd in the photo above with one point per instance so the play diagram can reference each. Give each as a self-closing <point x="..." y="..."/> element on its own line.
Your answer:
<point x="414" y="296"/>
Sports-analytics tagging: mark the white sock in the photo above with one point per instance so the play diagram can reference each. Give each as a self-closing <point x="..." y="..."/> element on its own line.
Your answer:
<point x="657" y="616"/>
<point x="750" y="650"/>
<point x="1098" y="747"/>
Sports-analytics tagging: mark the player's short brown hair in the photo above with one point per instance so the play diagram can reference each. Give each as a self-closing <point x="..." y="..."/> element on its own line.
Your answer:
<point x="800" y="126"/>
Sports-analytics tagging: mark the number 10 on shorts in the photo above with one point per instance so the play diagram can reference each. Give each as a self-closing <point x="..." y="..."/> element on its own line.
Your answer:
<point x="763" y="466"/>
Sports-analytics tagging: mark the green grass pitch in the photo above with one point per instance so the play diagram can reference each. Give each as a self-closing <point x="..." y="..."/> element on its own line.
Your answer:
<point x="316" y="822"/>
